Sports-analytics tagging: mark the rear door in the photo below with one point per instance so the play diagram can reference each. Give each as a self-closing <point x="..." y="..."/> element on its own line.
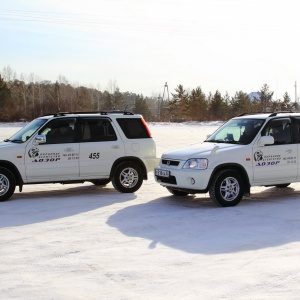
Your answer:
<point x="100" y="147"/>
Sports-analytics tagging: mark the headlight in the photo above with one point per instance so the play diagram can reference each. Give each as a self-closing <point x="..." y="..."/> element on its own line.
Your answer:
<point x="196" y="163"/>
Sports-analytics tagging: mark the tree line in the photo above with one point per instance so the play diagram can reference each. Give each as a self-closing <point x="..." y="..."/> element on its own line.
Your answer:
<point x="197" y="106"/>
<point x="27" y="98"/>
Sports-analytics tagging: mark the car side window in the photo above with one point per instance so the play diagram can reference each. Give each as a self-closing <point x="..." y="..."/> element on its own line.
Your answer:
<point x="59" y="131"/>
<point x="97" y="130"/>
<point x="280" y="129"/>
<point x="296" y="130"/>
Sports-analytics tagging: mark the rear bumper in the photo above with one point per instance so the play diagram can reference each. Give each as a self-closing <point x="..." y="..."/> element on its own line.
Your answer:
<point x="151" y="163"/>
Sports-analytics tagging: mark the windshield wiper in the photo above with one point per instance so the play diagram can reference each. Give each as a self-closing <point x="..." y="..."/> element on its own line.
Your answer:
<point x="215" y="141"/>
<point x="13" y="141"/>
<point x="223" y="142"/>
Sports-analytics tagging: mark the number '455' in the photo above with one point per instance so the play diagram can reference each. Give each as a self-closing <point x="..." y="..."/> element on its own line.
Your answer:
<point x="95" y="155"/>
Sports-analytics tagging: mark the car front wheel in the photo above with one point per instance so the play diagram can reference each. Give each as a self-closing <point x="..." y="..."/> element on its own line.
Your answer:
<point x="128" y="177"/>
<point x="7" y="184"/>
<point x="227" y="188"/>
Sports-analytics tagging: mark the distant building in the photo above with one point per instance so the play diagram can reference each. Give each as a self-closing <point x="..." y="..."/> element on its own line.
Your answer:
<point x="254" y="95"/>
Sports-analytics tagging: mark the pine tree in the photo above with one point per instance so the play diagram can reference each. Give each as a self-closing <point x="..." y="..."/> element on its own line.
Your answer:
<point x="217" y="107"/>
<point x="240" y="103"/>
<point x="198" y="105"/>
<point x="179" y="105"/>
<point x="286" y="104"/>
<point x="265" y="97"/>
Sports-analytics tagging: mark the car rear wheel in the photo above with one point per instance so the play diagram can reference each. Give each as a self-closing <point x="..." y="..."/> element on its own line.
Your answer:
<point x="176" y="192"/>
<point x="227" y="188"/>
<point x="7" y="184"/>
<point x="128" y="177"/>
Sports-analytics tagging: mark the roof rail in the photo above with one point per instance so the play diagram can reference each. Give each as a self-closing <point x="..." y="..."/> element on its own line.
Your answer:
<point x="281" y="112"/>
<point x="61" y="113"/>
<point x="253" y="113"/>
<point x="272" y="114"/>
<point x="116" y="112"/>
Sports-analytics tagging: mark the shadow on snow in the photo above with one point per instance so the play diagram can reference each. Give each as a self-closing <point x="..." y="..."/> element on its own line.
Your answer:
<point x="58" y="202"/>
<point x="193" y="224"/>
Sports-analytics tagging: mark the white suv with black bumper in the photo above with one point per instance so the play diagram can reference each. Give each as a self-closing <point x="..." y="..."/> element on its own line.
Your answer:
<point x="78" y="147"/>
<point x="249" y="150"/>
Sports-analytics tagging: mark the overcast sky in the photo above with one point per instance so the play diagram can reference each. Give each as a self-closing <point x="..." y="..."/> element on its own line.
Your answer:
<point x="225" y="45"/>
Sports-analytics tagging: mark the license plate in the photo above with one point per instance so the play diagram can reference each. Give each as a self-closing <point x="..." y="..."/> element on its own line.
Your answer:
<point x="162" y="173"/>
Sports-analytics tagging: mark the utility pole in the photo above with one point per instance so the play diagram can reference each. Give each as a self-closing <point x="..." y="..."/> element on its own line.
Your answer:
<point x="165" y="88"/>
<point x="161" y="99"/>
<point x="295" y="92"/>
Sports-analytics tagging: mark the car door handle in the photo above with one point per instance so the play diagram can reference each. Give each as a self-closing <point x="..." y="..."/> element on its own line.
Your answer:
<point x="115" y="146"/>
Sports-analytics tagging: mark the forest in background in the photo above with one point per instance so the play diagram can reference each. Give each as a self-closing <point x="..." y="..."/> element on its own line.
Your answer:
<point x="26" y="98"/>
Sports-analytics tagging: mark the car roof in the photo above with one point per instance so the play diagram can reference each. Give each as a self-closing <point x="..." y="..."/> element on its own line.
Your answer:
<point x="268" y="115"/>
<point x="113" y="113"/>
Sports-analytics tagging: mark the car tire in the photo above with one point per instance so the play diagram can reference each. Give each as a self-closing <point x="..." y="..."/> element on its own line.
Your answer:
<point x="282" y="185"/>
<point x="100" y="182"/>
<point x="227" y="188"/>
<point x="7" y="184"/>
<point x="176" y="192"/>
<point x="128" y="177"/>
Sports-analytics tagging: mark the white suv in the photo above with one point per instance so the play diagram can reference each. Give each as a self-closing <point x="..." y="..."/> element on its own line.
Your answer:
<point x="249" y="150"/>
<point x="78" y="147"/>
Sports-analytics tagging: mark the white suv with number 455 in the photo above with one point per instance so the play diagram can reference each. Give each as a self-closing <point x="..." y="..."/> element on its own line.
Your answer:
<point x="77" y="147"/>
<point x="249" y="150"/>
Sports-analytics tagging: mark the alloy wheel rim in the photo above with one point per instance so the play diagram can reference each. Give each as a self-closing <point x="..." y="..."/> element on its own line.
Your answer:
<point x="229" y="189"/>
<point x="4" y="185"/>
<point x="129" y="177"/>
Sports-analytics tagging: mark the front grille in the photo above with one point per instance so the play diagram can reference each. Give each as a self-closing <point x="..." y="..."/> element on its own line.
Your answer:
<point x="171" y="179"/>
<point x="170" y="162"/>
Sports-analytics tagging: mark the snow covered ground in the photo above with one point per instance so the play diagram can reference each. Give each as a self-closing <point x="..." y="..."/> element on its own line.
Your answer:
<point x="89" y="242"/>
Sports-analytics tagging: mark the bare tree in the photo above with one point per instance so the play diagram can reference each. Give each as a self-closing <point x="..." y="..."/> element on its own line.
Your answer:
<point x="8" y="74"/>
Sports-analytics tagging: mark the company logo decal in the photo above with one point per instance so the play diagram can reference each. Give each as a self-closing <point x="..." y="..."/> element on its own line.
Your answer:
<point x="258" y="155"/>
<point x="33" y="152"/>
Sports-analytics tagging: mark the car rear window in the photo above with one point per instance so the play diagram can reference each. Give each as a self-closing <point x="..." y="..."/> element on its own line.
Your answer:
<point x="134" y="128"/>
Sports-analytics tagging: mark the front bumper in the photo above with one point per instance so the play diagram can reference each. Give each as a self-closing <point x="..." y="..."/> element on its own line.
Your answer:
<point x="184" y="179"/>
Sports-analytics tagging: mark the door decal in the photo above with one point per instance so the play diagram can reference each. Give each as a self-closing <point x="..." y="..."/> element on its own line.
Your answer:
<point x="43" y="157"/>
<point x="271" y="160"/>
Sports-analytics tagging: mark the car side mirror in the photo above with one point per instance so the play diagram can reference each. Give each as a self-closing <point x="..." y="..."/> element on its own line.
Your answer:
<point x="265" y="140"/>
<point x="39" y="139"/>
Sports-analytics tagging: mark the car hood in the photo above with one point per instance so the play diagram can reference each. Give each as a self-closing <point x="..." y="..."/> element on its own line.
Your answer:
<point x="5" y="145"/>
<point x="201" y="150"/>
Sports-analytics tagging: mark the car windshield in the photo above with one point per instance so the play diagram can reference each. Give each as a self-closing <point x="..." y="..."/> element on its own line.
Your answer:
<point x="26" y="132"/>
<point x="237" y="131"/>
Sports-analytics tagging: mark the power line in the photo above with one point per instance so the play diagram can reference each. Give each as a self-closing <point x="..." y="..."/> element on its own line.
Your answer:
<point x="189" y="28"/>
